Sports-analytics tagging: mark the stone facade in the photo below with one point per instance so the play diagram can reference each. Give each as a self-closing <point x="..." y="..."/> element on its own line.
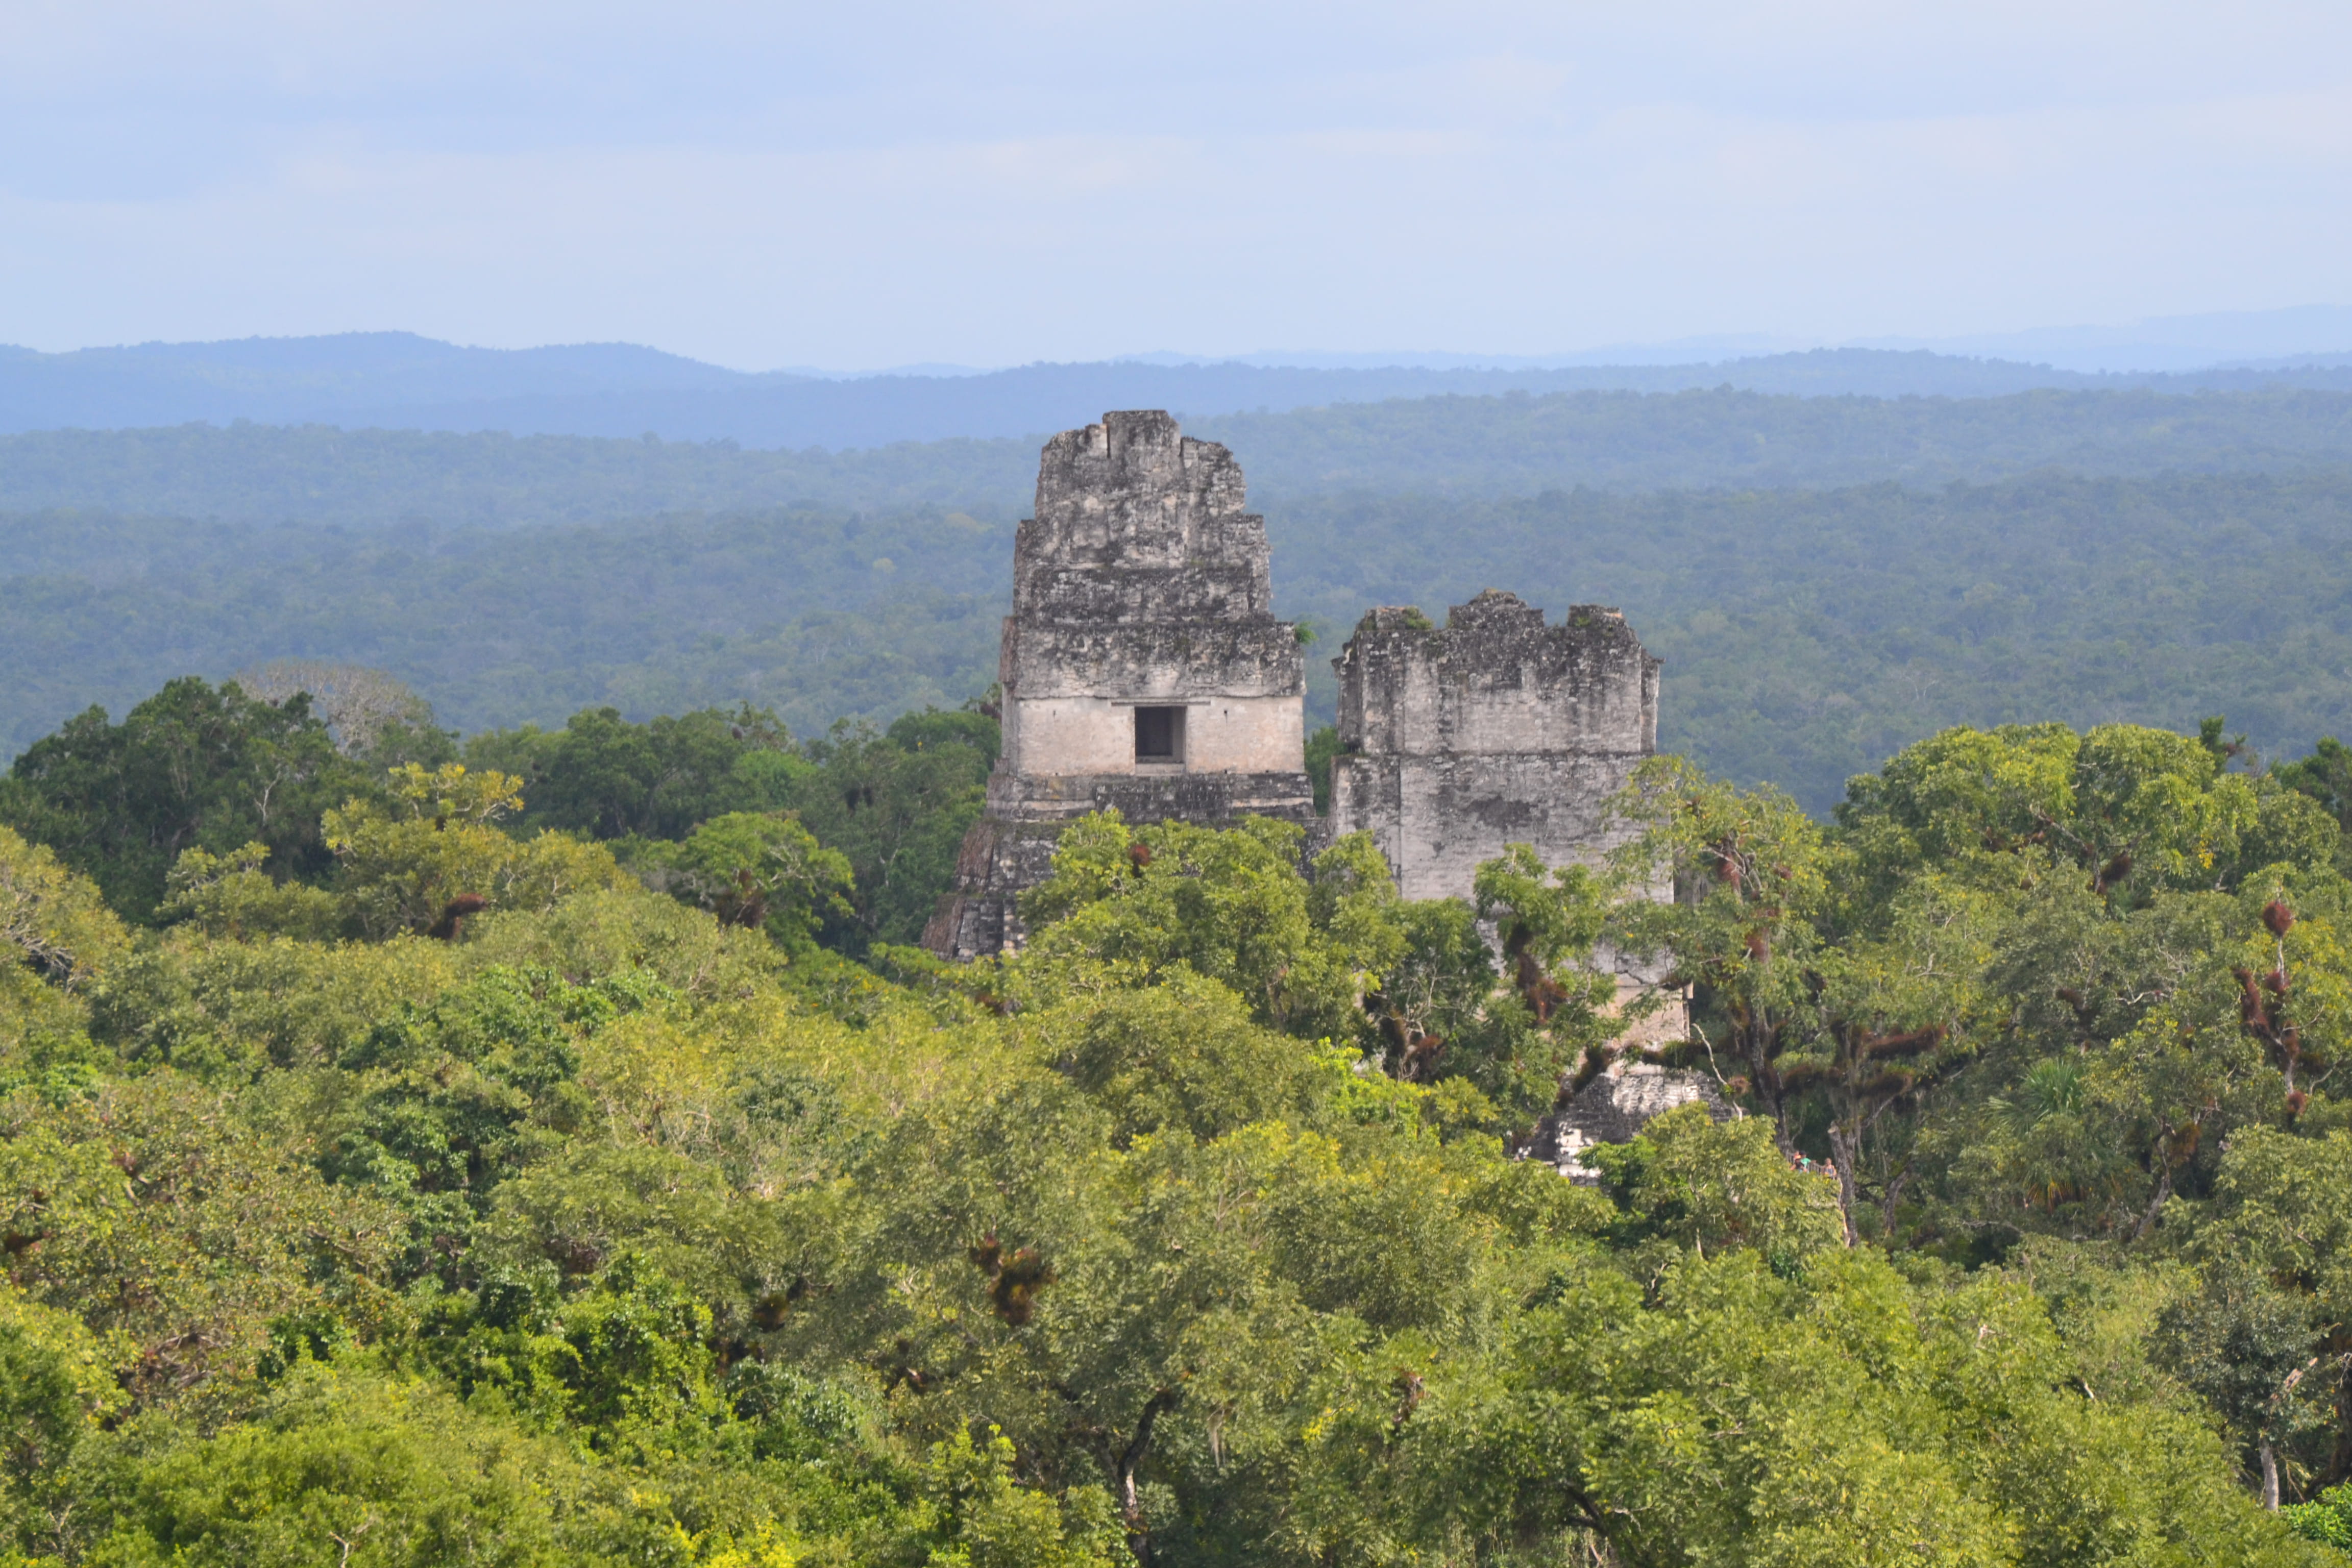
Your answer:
<point x="1494" y="729"/>
<point x="1613" y="1109"/>
<point x="1142" y="667"/>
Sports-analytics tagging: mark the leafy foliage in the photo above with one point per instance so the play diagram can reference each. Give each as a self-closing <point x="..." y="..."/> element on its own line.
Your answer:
<point x="622" y="1219"/>
<point x="895" y="804"/>
<point x="193" y="767"/>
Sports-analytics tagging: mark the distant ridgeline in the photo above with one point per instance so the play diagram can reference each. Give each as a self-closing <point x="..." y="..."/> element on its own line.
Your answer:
<point x="396" y="380"/>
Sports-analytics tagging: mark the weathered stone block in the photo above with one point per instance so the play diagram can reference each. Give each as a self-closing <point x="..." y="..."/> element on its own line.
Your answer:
<point x="1495" y="729"/>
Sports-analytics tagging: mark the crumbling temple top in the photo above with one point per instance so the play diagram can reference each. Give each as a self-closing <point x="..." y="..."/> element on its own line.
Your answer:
<point x="1495" y="729"/>
<point x="1138" y="523"/>
<point x="1141" y="668"/>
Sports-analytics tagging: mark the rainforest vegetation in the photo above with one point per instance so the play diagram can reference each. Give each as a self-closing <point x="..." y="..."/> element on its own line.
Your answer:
<point x="545" y="1146"/>
<point x="470" y="1090"/>
<point x="1807" y="634"/>
<point x="1452" y="446"/>
<point x="1828" y="578"/>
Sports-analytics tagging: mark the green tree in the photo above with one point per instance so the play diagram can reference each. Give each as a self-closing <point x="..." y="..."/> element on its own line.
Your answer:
<point x="149" y="1209"/>
<point x="997" y="1524"/>
<point x="2134" y="810"/>
<point x="2248" y="1348"/>
<point x="433" y="859"/>
<point x="1231" y="905"/>
<point x="2275" y="1249"/>
<point x="1432" y="1011"/>
<point x="193" y="767"/>
<point x="54" y="1388"/>
<point x="762" y="870"/>
<point x="1561" y="1013"/>
<point x="1826" y="1414"/>
<point x="1707" y="1188"/>
<point x="1747" y="875"/>
<point x="897" y="804"/>
<point x="58" y="938"/>
<point x="358" y="1470"/>
<point x="1897" y="1009"/>
<point x="2324" y="776"/>
<point x="233" y="895"/>
<point x="608" y="778"/>
<point x="444" y="1101"/>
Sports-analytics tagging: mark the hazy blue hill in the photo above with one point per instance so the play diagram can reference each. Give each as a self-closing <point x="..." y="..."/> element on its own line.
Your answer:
<point x="397" y="380"/>
<point x="874" y="410"/>
<point x="1807" y="634"/>
<point x="291" y="380"/>
<point x="1447" y="446"/>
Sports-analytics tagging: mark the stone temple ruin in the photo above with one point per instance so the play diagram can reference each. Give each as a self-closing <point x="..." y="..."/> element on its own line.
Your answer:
<point x="1494" y="729"/>
<point x="1142" y="668"/>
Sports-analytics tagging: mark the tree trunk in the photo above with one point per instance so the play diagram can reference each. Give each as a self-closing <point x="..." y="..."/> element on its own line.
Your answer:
<point x="2270" y="1477"/>
<point x="1138" y="1538"/>
<point x="1755" y="1045"/>
<point x="2339" y="1458"/>
<point x="2156" y="1203"/>
<point x="1890" y="1196"/>
<point x="1845" y="1151"/>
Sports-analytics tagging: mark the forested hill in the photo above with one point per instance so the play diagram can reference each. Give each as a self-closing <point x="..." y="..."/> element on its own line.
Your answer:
<point x="1806" y="634"/>
<point x="397" y="380"/>
<point x="1471" y="447"/>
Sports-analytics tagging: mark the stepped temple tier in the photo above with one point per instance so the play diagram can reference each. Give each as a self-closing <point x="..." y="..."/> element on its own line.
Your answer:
<point x="1142" y="667"/>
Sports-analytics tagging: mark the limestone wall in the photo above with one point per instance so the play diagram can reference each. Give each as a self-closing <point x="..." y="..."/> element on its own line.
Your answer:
<point x="1436" y="817"/>
<point x="1085" y="734"/>
<point x="1613" y="1109"/>
<point x="1494" y="680"/>
<point x="1494" y="729"/>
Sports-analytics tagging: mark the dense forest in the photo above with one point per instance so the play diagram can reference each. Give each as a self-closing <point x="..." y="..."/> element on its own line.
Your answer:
<point x="1455" y="446"/>
<point x="470" y="1090"/>
<point x="1807" y="634"/>
<point x="541" y="1146"/>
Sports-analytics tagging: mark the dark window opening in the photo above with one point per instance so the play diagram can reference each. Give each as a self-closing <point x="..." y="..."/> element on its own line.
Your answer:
<point x="1160" y="734"/>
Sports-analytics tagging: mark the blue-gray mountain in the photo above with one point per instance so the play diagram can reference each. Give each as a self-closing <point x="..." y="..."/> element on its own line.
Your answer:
<point x="400" y="381"/>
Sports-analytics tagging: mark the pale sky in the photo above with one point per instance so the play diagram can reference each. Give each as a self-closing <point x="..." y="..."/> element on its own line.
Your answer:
<point x="856" y="185"/>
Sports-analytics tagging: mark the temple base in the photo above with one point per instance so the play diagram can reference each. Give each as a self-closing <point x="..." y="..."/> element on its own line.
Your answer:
<point x="1011" y="849"/>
